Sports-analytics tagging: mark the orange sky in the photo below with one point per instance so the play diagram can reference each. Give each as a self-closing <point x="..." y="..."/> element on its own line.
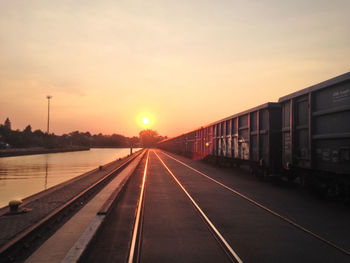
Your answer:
<point x="185" y="63"/>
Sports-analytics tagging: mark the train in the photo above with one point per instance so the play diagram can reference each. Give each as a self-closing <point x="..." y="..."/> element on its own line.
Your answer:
<point x="304" y="137"/>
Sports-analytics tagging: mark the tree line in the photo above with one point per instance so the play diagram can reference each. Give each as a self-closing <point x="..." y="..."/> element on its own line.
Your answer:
<point x="27" y="138"/>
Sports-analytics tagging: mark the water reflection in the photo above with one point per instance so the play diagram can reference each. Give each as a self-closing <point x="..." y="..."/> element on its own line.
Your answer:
<point x="22" y="176"/>
<point x="46" y="169"/>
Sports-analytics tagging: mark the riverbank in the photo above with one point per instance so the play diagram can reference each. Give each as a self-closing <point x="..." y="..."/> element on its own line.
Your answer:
<point x="40" y="150"/>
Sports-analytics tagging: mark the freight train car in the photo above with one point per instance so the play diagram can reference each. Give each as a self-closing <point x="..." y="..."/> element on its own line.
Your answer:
<point x="305" y="135"/>
<point x="196" y="144"/>
<point x="175" y="144"/>
<point x="316" y="132"/>
<point x="251" y="137"/>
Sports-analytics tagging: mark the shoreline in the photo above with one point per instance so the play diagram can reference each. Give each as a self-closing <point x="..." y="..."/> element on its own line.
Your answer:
<point x="39" y="150"/>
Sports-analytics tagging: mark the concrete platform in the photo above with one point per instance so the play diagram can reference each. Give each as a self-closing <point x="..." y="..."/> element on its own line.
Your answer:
<point x="58" y="245"/>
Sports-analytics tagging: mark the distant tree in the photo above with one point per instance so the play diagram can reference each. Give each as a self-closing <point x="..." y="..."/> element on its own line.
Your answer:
<point x="79" y="138"/>
<point x="39" y="133"/>
<point x="28" y="129"/>
<point x="37" y="138"/>
<point x="134" y="141"/>
<point x="149" y="138"/>
<point x="7" y="124"/>
<point x="117" y="139"/>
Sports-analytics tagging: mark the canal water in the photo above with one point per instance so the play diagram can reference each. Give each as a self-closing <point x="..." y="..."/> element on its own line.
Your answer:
<point x="22" y="176"/>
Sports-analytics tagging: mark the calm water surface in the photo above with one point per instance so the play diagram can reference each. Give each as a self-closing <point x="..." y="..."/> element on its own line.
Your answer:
<point x="22" y="176"/>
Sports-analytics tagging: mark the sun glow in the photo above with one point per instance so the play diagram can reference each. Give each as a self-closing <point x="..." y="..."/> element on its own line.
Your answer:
<point x="145" y="120"/>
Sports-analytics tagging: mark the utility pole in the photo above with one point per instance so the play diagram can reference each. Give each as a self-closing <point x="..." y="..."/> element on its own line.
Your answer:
<point x="48" y="113"/>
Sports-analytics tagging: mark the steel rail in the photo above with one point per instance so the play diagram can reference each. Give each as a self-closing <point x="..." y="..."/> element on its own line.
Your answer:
<point x="15" y="242"/>
<point x="207" y="220"/>
<point x="300" y="227"/>
<point x="138" y="215"/>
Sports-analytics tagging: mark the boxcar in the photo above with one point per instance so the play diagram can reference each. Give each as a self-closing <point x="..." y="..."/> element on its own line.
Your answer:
<point x="251" y="137"/>
<point x="316" y="128"/>
<point x="175" y="144"/>
<point x="306" y="135"/>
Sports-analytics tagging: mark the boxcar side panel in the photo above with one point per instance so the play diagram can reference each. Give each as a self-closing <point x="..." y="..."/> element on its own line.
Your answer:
<point x="243" y="137"/>
<point x="331" y="128"/>
<point x="275" y="139"/>
<point x="254" y="136"/>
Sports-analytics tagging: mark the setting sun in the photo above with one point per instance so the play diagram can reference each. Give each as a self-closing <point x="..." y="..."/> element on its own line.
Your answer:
<point x="145" y="120"/>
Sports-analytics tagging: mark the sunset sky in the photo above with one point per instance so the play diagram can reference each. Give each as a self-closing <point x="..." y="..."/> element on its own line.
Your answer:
<point x="182" y="64"/>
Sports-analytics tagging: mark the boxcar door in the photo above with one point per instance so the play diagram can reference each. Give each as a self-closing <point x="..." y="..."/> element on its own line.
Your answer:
<point x="286" y="134"/>
<point x="302" y="153"/>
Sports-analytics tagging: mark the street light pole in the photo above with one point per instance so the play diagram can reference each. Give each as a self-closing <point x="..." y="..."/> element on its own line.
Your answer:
<point x="48" y="113"/>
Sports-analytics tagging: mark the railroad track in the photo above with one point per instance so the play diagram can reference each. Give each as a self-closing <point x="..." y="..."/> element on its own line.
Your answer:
<point x="180" y="214"/>
<point x="22" y="245"/>
<point x="136" y="244"/>
<point x="268" y="210"/>
<point x="135" y="248"/>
